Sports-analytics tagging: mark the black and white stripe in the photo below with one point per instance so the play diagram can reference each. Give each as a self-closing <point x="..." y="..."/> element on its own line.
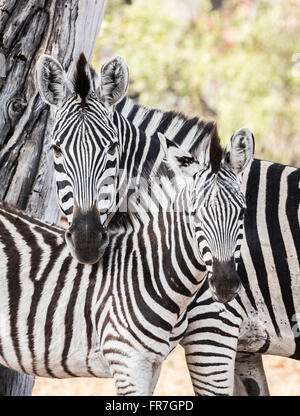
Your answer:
<point x="85" y="169"/>
<point x="269" y="265"/>
<point x="139" y="154"/>
<point x="268" y="304"/>
<point x="119" y="317"/>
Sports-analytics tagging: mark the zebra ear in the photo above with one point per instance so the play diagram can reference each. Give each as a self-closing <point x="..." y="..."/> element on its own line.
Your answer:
<point x="240" y="150"/>
<point x="51" y="80"/>
<point x="95" y="82"/>
<point x="179" y="159"/>
<point x="114" y="80"/>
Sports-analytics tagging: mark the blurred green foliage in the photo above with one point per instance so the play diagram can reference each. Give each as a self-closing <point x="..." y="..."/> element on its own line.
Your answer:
<point x="239" y="65"/>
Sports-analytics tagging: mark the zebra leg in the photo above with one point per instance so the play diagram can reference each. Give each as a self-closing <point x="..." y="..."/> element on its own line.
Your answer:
<point x="135" y="376"/>
<point x="210" y="345"/>
<point x="210" y="350"/>
<point x="155" y="377"/>
<point x="250" y="378"/>
<point x="212" y="373"/>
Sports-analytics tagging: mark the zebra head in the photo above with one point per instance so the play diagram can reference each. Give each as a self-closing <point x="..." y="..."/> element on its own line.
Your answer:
<point x="218" y="205"/>
<point x="86" y="147"/>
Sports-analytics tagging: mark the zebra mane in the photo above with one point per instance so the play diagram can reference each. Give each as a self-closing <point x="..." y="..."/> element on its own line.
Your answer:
<point x="187" y="133"/>
<point x="82" y="83"/>
<point x="216" y="150"/>
<point x="12" y="209"/>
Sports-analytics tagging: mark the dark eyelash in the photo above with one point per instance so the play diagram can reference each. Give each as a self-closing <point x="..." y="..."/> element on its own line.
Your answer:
<point x="112" y="149"/>
<point x="57" y="150"/>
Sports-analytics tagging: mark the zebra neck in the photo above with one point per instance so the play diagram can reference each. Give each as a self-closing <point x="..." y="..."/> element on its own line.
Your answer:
<point x="140" y="160"/>
<point x="187" y="133"/>
<point x="168" y="233"/>
<point x="150" y="266"/>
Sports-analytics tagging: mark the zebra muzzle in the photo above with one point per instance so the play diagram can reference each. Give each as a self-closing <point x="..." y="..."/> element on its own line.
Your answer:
<point x="86" y="237"/>
<point x="224" y="283"/>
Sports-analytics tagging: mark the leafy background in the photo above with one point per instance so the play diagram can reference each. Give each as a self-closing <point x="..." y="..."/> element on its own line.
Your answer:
<point x="237" y="64"/>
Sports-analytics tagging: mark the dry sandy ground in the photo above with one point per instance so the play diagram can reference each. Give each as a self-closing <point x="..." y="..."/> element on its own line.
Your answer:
<point x="283" y="378"/>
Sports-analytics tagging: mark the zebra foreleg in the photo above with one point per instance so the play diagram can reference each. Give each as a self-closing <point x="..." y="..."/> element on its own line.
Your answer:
<point x="210" y="357"/>
<point x="155" y="376"/>
<point x="211" y="374"/>
<point x="135" y="377"/>
<point x="250" y="378"/>
<point x="210" y="345"/>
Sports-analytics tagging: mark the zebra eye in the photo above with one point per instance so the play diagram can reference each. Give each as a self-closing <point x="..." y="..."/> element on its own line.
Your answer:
<point x="112" y="149"/>
<point x="57" y="151"/>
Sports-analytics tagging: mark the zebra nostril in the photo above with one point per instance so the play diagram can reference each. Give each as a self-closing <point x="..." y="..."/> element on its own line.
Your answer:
<point x="104" y="235"/>
<point x="68" y="237"/>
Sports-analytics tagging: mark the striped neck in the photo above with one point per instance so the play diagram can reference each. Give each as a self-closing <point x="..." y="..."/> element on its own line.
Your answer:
<point x="140" y="160"/>
<point x="169" y="213"/>
<point x="187" y="133"/>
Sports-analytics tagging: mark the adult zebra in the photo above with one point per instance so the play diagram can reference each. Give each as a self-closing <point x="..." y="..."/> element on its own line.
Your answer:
<point x="121" y="316"/>
<point x="269" y="264"/>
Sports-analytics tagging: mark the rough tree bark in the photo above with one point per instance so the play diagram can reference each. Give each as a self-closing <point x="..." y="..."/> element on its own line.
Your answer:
<point x="29" y="28"/>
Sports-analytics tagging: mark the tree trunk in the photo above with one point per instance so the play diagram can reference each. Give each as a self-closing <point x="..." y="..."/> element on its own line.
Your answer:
<point x="29" y="28"/>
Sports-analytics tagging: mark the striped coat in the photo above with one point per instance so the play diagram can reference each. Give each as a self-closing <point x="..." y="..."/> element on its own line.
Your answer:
<point x="269" y="266"/>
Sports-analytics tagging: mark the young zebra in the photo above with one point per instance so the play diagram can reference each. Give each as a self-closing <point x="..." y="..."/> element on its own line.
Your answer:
<point x="121" y="316"/>
<point x="269" y="264"/>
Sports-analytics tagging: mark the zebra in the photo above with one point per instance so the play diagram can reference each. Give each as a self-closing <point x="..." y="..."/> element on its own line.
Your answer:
<point x="269" y="295"/>
<point x="269" y="261"/>
<point x="207" y="128"/>
<point x="121" y="316"/>
<point x="177" y="128"/>
<point x="195" y="143"/>
<point x="192" y="131"/>
<point x="78" y="117"/>
<point x="81" y="164"/>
